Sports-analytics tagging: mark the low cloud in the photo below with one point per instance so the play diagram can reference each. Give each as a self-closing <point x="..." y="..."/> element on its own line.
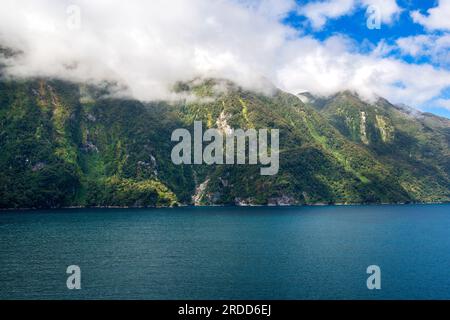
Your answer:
<point x="147" y="46"/>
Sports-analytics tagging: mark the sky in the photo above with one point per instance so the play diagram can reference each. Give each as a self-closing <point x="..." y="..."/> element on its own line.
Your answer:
<point x="397" y="49"/>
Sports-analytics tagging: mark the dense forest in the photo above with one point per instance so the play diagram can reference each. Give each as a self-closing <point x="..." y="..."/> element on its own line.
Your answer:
<point x="66" y="144"/>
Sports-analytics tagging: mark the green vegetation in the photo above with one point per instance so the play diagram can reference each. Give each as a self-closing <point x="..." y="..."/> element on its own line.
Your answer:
<point x="63" y="144"/>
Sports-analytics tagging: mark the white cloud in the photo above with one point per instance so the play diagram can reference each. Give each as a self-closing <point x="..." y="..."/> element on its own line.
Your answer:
<point x="149" y="45"/>
<point x="437" y="18"/>
<point x="332" y="66"/>
<point x="319" y="12"/>
<point x="270" y="8"/>
<point x="389" y="9"/>
<point x="435" y="47"/>
<point x="444" y="103"/>
<point x="146" y="45"/>
<point x="414" y="45"/>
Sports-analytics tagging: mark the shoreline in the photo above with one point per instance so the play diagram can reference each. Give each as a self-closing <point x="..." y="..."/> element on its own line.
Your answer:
<point x="230" y="206"/>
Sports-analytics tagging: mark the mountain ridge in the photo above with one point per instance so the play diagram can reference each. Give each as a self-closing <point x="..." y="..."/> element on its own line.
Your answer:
<point x="65" y="145"/>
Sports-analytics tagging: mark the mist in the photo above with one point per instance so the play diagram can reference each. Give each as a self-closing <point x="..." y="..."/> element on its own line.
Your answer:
<point x="147" y="46"/>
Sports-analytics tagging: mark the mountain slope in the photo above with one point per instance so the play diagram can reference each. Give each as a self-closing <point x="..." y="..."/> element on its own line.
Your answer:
<point x="415" y="143"/>
<point x="65" y="144"/>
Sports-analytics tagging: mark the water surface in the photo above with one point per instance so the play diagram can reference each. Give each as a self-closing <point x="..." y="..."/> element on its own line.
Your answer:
<point x="227" y="252"/>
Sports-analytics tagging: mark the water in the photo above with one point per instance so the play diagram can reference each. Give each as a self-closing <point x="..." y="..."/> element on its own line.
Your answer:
<point x="227" y="253"/>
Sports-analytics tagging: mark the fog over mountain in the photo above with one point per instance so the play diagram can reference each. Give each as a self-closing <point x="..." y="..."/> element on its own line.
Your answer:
<point x="146" y="46"/>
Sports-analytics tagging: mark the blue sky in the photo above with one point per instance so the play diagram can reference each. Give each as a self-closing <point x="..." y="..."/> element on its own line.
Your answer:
<point x="352" y="24"/>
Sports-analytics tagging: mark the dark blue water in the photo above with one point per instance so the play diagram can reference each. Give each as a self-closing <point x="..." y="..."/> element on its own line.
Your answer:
<point x="228" y="253"/>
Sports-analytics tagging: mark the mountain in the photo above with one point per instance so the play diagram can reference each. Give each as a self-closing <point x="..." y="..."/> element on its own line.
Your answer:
<point x="415" y="143"/>
<point x="66" y="144"/>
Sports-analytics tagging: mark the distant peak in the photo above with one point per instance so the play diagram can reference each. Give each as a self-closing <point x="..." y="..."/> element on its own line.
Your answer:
<point x="406" y="108"/>
<point x="309" y="97"/>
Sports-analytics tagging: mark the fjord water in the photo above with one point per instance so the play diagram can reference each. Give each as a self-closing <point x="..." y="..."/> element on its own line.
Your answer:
<point x="227" y="252"/>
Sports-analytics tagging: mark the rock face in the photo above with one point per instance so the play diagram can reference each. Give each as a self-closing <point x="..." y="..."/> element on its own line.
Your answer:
<point x="284" y="200"/>
<point x="363" y="129"/>
<point x="64" y="144"/>
<point x="200" y="193"/>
